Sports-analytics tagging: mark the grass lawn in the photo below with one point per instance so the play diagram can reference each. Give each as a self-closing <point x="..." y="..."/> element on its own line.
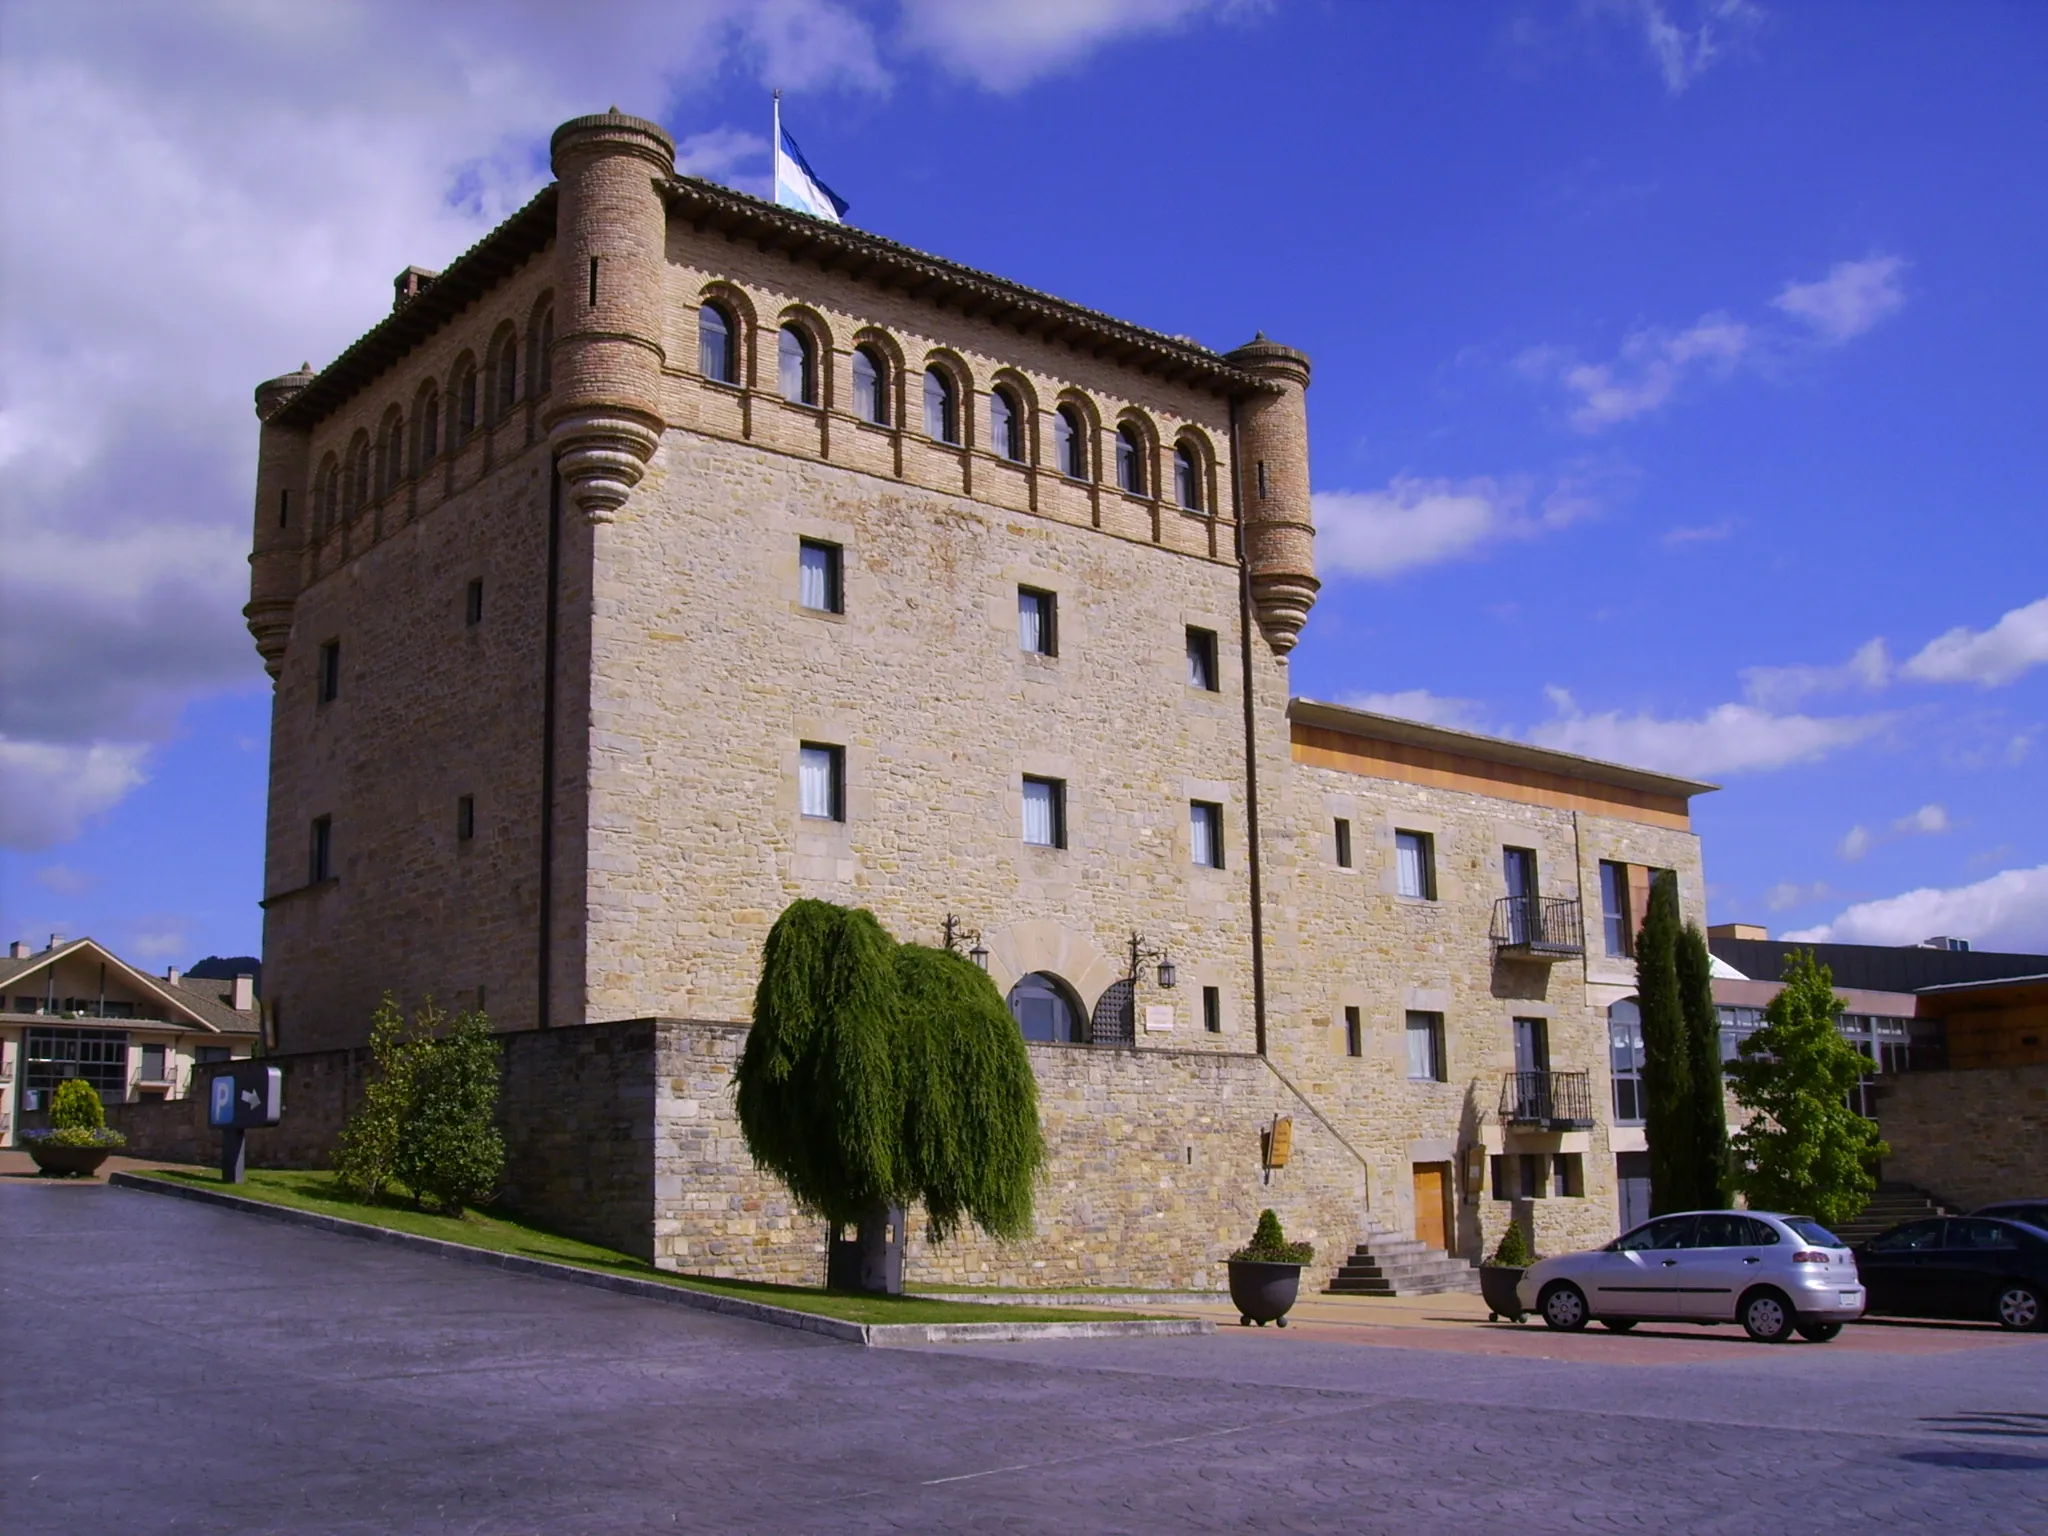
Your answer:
<point x="317" y="1191"/>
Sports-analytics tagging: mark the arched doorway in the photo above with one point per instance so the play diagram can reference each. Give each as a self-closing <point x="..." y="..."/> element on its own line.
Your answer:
<point x="1046" y="1009"/>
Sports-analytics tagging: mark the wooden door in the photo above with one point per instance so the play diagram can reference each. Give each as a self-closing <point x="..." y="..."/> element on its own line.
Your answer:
<point x="1432" y="1192"/>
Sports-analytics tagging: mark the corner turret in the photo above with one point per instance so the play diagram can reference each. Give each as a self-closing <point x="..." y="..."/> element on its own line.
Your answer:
<point x="1272" y="467"/>
<point x="281" y="513"/>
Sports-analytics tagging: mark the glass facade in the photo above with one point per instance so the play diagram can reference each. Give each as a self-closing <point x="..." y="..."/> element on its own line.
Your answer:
<point x="100" y="1056"/>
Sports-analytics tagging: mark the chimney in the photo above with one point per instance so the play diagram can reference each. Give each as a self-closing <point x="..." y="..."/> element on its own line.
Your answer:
<point x="409" y="285"/>
<point x="171" y="975"/>
<point x="245" y="994"/>
<point x="18" y="950"/>
<point x="56" y="941"/>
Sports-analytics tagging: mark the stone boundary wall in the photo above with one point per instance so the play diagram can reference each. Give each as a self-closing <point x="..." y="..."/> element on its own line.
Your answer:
<point x="1969" y="1137"/>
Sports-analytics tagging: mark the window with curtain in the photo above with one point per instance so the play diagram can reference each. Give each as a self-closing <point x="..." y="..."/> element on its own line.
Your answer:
<point x="821" y="781"/>
<point x="717" y="357"/>
<point x="1187" y="478"/>
<point x="1045" y="812"/>
<point x="796" y="366"/>
<point x="1037" y="613"/>
<point x="1415" y="865"/>
<point x="1130" y="460"/>
<point x="818" y="584"/>
<point x="1070" y="443"/>
<point x="1006" y="424"/>
<point x="1205" y="833"/>
<point x="870" y="386"/>
<point x="941" y="407"/>
<point x="1202" y="659"/>
<point x="1426" y="1047"/>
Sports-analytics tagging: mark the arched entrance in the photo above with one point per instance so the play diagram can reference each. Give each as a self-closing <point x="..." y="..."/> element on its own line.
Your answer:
<point x="1046" y="1009"/>
<point x="1114" y="1021"/>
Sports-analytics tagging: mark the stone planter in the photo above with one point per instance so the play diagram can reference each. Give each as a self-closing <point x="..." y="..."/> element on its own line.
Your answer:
<point x="1263" y="1293"/>
<point x="1497" y="1284"/>
<point x="64" y="1161"/>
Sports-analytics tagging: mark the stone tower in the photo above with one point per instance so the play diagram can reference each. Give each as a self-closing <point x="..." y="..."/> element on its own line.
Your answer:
<point x="283" y="468"/>
<point x="605" y="418"/>
<point x="1279" y="525"/>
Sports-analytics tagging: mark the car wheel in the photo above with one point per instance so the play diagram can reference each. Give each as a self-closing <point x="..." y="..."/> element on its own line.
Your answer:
<point x="1819" y="1333"/>
<point x="1564" y="1306"/>
<point x="1767" y="1316"/>
<point x="1618" y="1324"/>
<point x="2019" y="1307"/>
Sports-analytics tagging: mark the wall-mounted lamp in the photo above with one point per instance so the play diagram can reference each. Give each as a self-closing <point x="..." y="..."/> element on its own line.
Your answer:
<point x="1141" y="952"/>
<point x="954" y="934"/>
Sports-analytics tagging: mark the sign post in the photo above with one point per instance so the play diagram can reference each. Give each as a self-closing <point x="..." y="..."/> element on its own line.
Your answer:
<point x="246" y="1094"/>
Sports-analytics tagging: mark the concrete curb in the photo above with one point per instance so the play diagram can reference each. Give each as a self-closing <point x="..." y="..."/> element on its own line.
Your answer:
<point x="872" y="1335"/>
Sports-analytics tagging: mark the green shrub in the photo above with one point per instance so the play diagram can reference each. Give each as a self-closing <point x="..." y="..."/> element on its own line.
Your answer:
<point x="1513" y="1251"/>
<point x="449" y="1151"/>
<point x="76" y="1107"/>
<point x="369" y="1141"/>
<point x="1269" y="1244"/>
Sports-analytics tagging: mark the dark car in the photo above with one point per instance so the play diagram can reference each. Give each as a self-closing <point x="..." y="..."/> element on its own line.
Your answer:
<point x="2033" y="1212"/>
<point x="1977" y="1267"/>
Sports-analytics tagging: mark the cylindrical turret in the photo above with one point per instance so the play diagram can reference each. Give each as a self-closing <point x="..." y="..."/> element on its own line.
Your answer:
<point x="1272" y="470"/>
<point x="604" y="416"/>
<point x="281" y="516"/>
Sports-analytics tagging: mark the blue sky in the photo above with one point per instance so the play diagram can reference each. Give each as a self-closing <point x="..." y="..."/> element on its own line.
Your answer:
<point x="1678" y="398"/>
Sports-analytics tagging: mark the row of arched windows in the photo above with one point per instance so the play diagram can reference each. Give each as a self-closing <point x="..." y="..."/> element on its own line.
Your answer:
<point x="797" y="380"/>
<point x="409" y="443"/>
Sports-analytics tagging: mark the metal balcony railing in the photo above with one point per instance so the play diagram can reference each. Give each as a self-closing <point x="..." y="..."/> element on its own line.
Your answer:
<point x="1538" y="927"/>
<point x="1557" y="1101"/>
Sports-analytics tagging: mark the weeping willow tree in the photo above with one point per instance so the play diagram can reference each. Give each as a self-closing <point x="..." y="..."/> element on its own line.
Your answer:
<point x="878" y="1074"/>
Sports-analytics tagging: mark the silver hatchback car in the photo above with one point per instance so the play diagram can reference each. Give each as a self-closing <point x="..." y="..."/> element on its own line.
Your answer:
<point x="1773" y="1274"/>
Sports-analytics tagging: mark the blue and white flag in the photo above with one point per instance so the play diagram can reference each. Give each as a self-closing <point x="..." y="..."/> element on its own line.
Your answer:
<point x="796" y="184"/>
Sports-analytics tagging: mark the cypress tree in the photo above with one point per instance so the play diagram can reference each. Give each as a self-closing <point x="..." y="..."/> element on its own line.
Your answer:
<point x="1667" y="1060"/>
<point x="1709" y="1128"/>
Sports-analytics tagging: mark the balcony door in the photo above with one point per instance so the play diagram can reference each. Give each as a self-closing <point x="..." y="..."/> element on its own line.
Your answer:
<point x="1532" y="1045"/>
<point x="1518" y="866"/>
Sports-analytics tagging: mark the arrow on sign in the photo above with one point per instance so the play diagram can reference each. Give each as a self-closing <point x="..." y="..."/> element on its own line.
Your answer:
<point x="250" y="1097"/>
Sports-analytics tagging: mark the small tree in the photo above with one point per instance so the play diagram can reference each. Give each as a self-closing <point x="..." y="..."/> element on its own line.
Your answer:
<point x="369" y="1142"/>
<point x="1709" y="1127"/>
<point x="449" y="1151"/>
<point x="1667" y="1059"/>
<point x="1803" y="1150"/>
<point x="76" y="1107"/>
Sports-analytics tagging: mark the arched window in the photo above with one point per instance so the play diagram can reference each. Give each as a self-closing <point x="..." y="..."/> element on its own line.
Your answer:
<point x="540" y="368"/>
<point x="1006" y="424"/>
<point x="327" y="499"/>
<point x="1070" y="443"/>
<point x="1187" y="477"/>
<point x="1045" y="1008"/>
<point x="430" y="427"/>
<point x="870" y="386"/>
<point x="717" y="356"/>
<point x="941" y="407"/>
<point x="505" y="378"/>
<point x="796" y="367"/>
<point x="1130" y="460"/>
<point x="393" y="451"/>
<point x="359" y="473"/>
<point x="465" y="406"/>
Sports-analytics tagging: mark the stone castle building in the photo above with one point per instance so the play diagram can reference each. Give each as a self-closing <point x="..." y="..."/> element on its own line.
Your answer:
<point x="673" y="555"/>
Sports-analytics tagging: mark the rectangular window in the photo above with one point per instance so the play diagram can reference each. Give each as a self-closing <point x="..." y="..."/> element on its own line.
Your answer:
<point x="821" y="781"/>
<point x="1426" y="1047"/>
<point x="1343" y="843"/>
<point x="100" y="1056"/>
<point x="1037" y="622"/>
<point x="465" y="818"/>
<point x="1045" y="812"/>
<point x="1415" y="865"/>
<point x="1212" y="1010"/>
<point x="208" y="1055"/>
<point x="473" y="603"/>
<point x="1205" y="833"/>
<point x="1567" y="1175"/>
<point x="1625" y="1061"/>
<point x="1354" y="1033"/>
<point x="1614" y="909"/>
<point x="329" y="683"/>
<point x="819" y="586"/>
<point x="152" y="1064"/>
<point x="1529" y="1174"/>
<point x="321" y="864"/>
<point x="1202" y="659"/>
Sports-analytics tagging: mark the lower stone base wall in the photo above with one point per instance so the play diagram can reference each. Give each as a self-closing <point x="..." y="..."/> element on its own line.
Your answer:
<point x="1969" y="1137"/>
<point x="1154" y="1175"/>
<point x="320" y="1089"/>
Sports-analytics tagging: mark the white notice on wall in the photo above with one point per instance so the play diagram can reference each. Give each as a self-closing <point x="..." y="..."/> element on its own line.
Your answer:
<point x="1158" y="1016"/>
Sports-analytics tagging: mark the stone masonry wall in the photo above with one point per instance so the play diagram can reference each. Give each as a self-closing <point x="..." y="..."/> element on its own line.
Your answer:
<point x="1969" y="1137"/>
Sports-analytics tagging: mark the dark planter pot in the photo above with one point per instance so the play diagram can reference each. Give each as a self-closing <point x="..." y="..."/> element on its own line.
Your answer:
<point x="1497" y="1284"/>
<point x="68" y="1160"/>
<point x="1263" y="1293"/>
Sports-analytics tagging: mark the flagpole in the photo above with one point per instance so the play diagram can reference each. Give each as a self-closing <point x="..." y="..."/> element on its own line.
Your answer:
<point x="775" y="155"/>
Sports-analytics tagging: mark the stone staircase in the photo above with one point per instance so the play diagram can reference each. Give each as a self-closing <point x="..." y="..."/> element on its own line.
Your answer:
<point x="1387" y="1264"/>
<point x="1892" y="1204"/>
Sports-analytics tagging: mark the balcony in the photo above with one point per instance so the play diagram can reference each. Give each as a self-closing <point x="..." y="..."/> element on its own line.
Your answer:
<point x="1551" y="1101"/>
<point x="1543" y="928"/>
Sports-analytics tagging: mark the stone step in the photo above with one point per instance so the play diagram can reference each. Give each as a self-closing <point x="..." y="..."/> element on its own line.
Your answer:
<point x="1387" y="1264"/>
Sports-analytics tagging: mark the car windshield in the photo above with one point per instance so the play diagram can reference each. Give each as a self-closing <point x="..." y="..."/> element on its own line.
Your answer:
<point x="1813" y="1232"/>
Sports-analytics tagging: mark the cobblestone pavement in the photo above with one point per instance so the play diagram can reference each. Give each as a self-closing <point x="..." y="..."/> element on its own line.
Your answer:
<point x="166" y="1367"/>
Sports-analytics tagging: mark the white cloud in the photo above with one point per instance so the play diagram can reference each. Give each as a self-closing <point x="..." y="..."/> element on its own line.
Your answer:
<point x="1783" y="897"/>
<point x="1421" y="704"/>
<point x="2009" y="911"/>
<point x="2013" y="646"/>
<point x="1705" y="533"/>
<point x="158" y="944"/>
<point x="1855" y="843"/>
<point x="1685" y="46"/>
<point x="1730" y="738"/>
<point x="1645" y="373"/>
<point x="1853" y="297"/>
<point x="49" y="791"/>
<point x="1006" y="44"/>
<point x="1416" y="522"/>
<point x="65" y="880"/>
<point x="1928" y="821"/>
<point x="1869" y="668"/>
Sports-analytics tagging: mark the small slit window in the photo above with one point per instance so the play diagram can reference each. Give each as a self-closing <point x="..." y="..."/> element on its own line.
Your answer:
<point x="1212" y="1010"/>
<point x="1343" y="839"/>
<point x="717" y="357"/>
<point x="941" y="407"/>
<point x="465" y="818"/>
<point x="473" y="603"/>
<point x="796" y="366"/>
<point x="1006" y="424"/>
<point x="320" y="860"/>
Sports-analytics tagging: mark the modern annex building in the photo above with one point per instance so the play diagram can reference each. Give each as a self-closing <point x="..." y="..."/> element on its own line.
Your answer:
<point x="673" y="555"/>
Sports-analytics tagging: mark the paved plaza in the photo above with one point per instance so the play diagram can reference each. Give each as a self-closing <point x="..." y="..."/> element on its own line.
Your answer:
<point x="169" y="1367"/>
